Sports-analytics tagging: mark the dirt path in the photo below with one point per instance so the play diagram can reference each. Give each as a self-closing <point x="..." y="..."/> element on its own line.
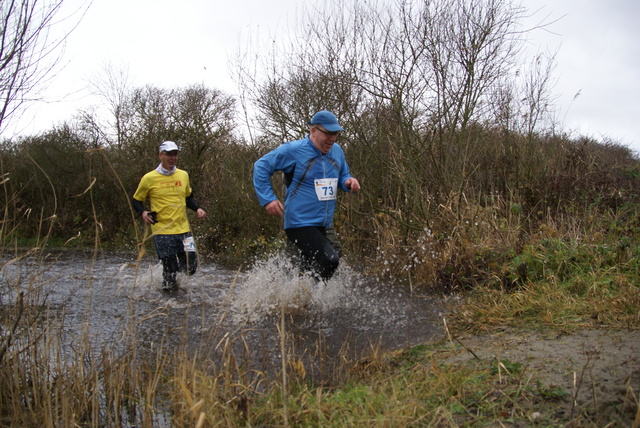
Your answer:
<point x="599" y="370"/>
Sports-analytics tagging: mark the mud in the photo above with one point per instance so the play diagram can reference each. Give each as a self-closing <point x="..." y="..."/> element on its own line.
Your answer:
<point x="598" y="370"/>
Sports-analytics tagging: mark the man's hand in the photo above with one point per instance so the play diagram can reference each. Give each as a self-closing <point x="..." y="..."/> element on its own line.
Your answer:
<point x="353" y="185"/>
<point x="147" y="217"/>
<point x="275" y="208"/>
<point x="201" y="213"/>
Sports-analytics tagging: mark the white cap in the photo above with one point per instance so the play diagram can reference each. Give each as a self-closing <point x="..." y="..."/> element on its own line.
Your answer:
<point x="168" y="146"/>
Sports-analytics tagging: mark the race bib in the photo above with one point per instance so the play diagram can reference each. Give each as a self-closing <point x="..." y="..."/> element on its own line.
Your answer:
<point x="189" y="244"/>
<point x="326" y="188"/>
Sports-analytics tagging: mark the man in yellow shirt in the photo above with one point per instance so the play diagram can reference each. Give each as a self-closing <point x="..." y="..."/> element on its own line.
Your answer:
<point x="169" y="192"/>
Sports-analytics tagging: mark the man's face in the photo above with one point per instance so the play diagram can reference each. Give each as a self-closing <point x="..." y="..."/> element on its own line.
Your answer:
<point x="169" y="159"/>
<point x="322" y="139"/>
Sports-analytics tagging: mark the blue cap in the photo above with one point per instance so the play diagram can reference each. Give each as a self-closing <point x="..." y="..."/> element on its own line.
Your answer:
<point x="327" y="119"/>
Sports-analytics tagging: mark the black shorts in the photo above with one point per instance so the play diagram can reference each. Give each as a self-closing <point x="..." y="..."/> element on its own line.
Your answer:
<point x="169" y="245"/>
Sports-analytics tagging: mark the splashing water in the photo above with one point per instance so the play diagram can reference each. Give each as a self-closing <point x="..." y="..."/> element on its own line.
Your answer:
<point x="110" y="294"/>
<point x="276" y="284"/>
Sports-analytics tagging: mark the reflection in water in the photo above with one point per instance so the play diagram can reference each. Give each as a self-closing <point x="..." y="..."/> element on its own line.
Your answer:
<point x="108" y="300"/>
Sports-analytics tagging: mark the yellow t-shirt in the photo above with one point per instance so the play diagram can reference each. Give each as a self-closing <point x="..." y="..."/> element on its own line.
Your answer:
<point x="167" y="195"/>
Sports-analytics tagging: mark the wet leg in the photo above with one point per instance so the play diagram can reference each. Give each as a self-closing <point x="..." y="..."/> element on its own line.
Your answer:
<point x="316" y="252"/>
<point x="188" y="262"/>
<point x="170" y="268"/>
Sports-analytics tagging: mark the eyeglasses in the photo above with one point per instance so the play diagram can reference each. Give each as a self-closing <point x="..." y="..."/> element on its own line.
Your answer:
<point x="329" y="134"/>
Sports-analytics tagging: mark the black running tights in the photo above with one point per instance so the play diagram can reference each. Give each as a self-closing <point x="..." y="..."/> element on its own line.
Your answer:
<point x="316" y="252"/>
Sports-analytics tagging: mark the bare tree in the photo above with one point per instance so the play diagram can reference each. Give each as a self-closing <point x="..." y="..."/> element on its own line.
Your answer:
<point x="29" y="54"/>
<point x="204" y="118"/>
<point x="414" y="74"/>
<point x="112" y="86"/>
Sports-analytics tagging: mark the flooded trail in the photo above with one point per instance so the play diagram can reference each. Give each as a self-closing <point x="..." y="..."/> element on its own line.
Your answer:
<point x="107" y="300"/>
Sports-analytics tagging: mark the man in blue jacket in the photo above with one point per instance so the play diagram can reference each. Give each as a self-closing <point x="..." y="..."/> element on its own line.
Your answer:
<point x="314" y="169"/>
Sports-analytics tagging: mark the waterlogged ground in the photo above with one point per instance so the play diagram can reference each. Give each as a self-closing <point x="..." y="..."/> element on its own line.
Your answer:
<point x="107" y="300"/>
<point x="594" y="373"/>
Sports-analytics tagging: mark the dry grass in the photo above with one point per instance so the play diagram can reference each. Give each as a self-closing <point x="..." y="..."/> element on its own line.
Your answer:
<point x="512" y="267"/>
<point x="42" y="384"/>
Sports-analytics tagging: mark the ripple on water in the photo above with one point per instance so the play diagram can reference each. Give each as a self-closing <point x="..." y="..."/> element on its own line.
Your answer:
<point x="110" y="295"/>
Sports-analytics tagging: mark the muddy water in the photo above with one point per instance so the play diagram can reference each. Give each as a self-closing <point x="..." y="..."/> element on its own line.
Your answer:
<point x="107" y="300"/>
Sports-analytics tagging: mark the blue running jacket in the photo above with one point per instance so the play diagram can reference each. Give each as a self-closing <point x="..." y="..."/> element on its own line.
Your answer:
<point x="312" y="181"/>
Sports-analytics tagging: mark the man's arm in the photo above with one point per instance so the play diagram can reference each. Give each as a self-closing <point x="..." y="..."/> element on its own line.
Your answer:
<point x="347" y="182"/>
<point x="279" y="159"/>
<point x="263" y="169"/>
<point x="193" y="205"/>
<point x="137" y="205"/>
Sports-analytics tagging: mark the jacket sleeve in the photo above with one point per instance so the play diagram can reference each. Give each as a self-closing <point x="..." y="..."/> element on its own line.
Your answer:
<point x="264" y="168"/>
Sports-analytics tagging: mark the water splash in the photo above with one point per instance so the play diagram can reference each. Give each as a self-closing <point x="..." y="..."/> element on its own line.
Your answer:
<point x="276" y="284"/>
<point x="111" y="294"/>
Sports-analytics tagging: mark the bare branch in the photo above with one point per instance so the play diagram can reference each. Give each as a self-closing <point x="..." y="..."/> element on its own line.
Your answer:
<point x="29" y="54"/>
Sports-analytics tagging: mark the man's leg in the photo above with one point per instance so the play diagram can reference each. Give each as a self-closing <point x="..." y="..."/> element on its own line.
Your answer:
<point x="332" y="237"/>
<point x="188" y="262"/>
<point x="167" y="247"/>
<point x="170" y="268"/>
<point x="317" y="253"/>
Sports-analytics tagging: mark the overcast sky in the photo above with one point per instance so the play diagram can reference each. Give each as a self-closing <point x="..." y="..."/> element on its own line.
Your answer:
<point x="168" y="43"/>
